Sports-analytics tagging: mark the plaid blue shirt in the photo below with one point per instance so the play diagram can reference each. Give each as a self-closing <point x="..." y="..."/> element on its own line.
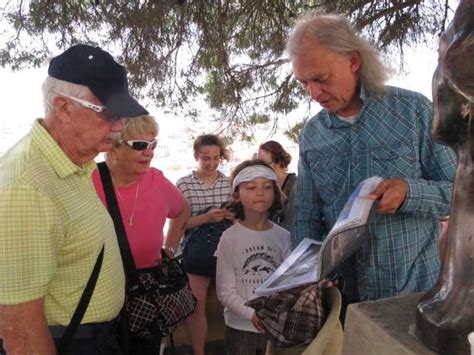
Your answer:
<point x="390" y="138"/>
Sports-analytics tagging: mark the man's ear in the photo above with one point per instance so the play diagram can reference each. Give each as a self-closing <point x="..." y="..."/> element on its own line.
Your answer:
<point x="356" y="61"/>
<point x="61" y="108"/>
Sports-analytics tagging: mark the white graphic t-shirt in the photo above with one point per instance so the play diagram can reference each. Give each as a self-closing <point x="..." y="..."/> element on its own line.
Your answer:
<point x="245" y="258"/>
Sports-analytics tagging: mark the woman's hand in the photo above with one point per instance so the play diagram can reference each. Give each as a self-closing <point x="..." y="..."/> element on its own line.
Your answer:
<point x="257" y="324"/>
<point x="169" y="251"/>
<point x="230" y="215"/>
<point x="215" y="215"/>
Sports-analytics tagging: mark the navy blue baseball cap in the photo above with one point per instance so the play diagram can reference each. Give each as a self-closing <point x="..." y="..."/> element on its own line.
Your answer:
<point x="95" y="68"/>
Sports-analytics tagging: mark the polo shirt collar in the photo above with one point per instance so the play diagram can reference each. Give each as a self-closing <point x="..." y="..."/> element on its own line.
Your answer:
<point x="332" y="121"/>
<point x="54" y="155"/>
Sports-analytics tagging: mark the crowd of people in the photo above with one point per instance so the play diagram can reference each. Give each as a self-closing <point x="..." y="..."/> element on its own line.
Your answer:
<point x="56" y="231"/>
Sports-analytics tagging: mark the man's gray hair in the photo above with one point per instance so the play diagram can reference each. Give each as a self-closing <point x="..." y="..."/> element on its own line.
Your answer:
<point x="53" y="87"/>
<point x="338" y="35"/>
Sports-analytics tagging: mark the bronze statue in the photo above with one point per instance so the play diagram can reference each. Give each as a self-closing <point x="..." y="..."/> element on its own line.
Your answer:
<point x="445" y="314"/>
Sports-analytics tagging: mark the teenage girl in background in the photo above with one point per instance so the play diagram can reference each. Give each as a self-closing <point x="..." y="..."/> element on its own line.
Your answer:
<point x="204" y="188"/>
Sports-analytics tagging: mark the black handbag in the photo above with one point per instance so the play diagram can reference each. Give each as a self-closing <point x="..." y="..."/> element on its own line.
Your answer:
<point x="158" y="298"/>
<point x="200" y="246"/>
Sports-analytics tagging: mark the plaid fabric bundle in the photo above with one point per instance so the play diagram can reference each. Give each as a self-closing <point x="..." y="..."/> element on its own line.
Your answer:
<point x="293" y="317"/>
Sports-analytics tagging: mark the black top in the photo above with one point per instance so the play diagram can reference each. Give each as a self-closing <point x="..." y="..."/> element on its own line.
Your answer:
<point x="285" y="217"/>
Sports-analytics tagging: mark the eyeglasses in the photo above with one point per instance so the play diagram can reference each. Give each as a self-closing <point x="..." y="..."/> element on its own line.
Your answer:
<point x="140" y="145"/>
<point x="97" y="108"/>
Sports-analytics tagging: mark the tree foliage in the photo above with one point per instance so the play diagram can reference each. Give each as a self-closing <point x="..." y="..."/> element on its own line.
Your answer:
<point x="229" y="52"/>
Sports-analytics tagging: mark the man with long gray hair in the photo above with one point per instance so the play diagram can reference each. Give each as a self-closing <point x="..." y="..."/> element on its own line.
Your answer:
<point x="364" y="129"/>
<point x="55" y="236"/>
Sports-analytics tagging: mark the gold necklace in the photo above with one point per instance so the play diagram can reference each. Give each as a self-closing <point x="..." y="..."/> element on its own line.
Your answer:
<point x="129" y="216"/>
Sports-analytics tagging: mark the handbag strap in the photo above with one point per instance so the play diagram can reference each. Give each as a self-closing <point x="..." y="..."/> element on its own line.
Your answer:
<point x="114" y="210"/>
<point x="82" y="305"/>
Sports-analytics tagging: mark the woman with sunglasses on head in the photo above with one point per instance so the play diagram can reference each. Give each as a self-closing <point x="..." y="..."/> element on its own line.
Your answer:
<point x="146" y="198"/>
<point x="278" y="158"/>
<point x="206" y="189"/>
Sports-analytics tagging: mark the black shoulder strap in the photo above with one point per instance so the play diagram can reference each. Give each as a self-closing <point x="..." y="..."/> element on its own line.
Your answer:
<point x="82" y="305"/>
<point x="114" y="210"/>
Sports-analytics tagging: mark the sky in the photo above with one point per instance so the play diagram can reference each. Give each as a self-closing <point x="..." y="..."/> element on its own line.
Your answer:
<point x="21" y="99"/>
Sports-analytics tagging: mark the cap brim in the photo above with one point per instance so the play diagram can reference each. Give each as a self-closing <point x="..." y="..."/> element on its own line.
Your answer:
<point x="123" y="105"/>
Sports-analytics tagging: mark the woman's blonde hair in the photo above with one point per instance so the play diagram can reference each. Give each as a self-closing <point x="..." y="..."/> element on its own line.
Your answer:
<point x="137" y="126"/>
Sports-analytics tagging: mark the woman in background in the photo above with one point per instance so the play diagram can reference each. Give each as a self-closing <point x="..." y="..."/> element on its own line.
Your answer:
<point x="145" y="198"/>
<point x="278" y="158"/>
<point x="204" y="188"/>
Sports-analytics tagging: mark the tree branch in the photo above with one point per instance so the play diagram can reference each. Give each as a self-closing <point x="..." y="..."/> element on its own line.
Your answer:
<point x="383" y="13"/>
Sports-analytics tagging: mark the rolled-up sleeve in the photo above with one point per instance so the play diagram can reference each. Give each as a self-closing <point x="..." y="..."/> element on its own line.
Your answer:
<point x="432" y="193"/>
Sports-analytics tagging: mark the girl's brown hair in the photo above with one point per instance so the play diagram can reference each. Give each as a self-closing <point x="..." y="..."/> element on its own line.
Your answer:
<point x="210" y="139"/>
<point x="279" y="155"/>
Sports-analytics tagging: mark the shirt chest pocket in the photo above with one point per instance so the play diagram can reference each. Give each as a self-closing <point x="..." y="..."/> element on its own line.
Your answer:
<point x="329" y="173"/>
<point x="392" y="162"/>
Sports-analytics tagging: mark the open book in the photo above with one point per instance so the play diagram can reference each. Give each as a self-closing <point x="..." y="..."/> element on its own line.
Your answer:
<point x="312" y="260"/>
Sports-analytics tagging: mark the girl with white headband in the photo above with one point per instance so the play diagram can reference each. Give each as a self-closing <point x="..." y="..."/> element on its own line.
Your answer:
<point x="248" y="253"/>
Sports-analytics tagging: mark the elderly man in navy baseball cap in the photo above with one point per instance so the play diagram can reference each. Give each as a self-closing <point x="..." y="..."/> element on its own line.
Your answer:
<point x="97" y="69"/>
<point x="57" y="242"/>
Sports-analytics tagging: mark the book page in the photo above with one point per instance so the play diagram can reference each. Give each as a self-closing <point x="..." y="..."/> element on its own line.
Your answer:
<point x="300" y="267"/>
<point x="357" y="208"/>
<point x="303" y="264"/>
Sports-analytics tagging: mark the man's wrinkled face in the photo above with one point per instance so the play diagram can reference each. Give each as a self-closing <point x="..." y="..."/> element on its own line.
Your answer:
<point x="329" y="78"/>
<point x="90" y="132"/>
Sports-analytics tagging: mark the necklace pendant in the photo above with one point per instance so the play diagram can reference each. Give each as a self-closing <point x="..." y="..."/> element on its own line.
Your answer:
<point x="130" y="221"/>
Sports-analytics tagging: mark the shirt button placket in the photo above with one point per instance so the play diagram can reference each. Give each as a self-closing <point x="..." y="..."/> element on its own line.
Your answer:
<point x="355" y="149"/>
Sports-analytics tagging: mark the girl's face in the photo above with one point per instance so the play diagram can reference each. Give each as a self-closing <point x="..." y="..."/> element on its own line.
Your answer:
<point x="208" y="158"/>
<point x="256" y="196"/>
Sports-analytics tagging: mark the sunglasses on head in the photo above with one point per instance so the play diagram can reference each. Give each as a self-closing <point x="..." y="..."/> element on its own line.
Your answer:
<point x="140" y="144"/>
<point x="94" y="107"/>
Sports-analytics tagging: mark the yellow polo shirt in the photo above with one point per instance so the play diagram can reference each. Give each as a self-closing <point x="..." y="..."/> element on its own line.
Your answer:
<point x="52" y="227"/>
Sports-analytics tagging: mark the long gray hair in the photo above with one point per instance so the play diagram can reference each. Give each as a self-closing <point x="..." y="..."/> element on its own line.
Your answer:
<point x="337" y="34"/>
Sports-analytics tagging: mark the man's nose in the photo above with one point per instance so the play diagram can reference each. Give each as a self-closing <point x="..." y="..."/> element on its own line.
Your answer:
<point x="314" y="90"/>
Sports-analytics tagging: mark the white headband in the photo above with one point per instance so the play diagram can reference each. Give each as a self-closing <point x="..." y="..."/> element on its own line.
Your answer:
<point x="252" y="172"/>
